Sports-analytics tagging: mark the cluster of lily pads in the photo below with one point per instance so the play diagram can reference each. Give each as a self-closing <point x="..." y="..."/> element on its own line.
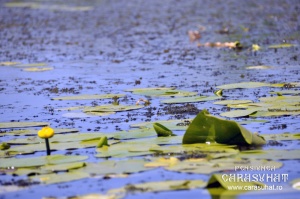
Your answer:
<point x="209" y="144"/>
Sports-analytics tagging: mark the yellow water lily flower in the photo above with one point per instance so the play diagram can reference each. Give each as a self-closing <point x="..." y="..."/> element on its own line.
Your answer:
<point x="46" y="132"/>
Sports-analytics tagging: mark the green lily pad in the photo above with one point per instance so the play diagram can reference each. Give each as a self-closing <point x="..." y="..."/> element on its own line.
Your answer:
<point x="274" y="113"/>
<point x="282" y="136"/>
<point x="60" y="138"/>
<point x="134" y="134"/>
<point x="261" y="67"/>
<point x="63" y="167"/>
<point x="169" y="185"/>
<point x="5" y="125"/>
<point x="39" y="161"/>
<point x="225" y="102"/>
<point x="170" y="124"/>
<point x="190" y="99"/>
<point x="115" y="167"/>
<point x="4" y="146"/>
<point x="54" y="178"/>
<point x="161" y="130"/>
<point x="284" y="45"/>
<point x="112" y="108"/>
<point x="222" y="180"/>
<point x="161" y="92"/>
<point x="286" y="92"/>
<point x="34" y="131"/>
<point x="239" y="113"/>
<point x="125" y="149"/>
<point x="296" y="183"/>
<point x="31" y="148"/>
<point x="248" y="85"/>
<point x="271" y="154"/>
<point x="88" y="97"/>
<point x="206" y="128"/>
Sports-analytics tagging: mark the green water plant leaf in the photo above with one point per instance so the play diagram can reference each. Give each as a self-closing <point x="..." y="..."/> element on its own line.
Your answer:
<point x="190" y="99"/>
<point x="88" y="97"/>
<point x="4" y="146"/>
<point x="282" y="136"/>
<point x="102" y="142"/>
<point x="248" y="85"/>
<point x="21" y="124"/>
<point x="34" y="131"/>
<point x="225" y="102"/>
<point x="39" y="161"/>
<point x="271" y="154"/>
<point x="161" y="92"/>
<point x="206" y="127"/>
<point x="260" y="67"/>
<point x="161" y="130"/>
<point x="170" y="124"/>
<point x="222" y="180"/>
<point x="112" y="108"/>
<point x="54" y="178"/>
<point x="63" y="167"/>
<point x="239" y="113"/>
<point x="74" y="137"/>
<point x="284" y="45"/>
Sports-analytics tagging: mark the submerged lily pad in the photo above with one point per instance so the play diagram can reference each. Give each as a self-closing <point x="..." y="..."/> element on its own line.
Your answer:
<point x="21" y="124"/>
<point x="88" y="97"/>
<point x="209" y="128"/>
<point x="190" y="99"/>
<point x="39" y="161"/>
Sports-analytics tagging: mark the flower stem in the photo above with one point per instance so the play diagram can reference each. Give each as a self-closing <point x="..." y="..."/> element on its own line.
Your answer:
<point x="48" y="146"/>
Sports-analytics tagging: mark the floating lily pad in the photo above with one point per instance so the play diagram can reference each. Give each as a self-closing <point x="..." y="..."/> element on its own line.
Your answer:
<point x="225" y="102"/>
<point x="21" y="124"/>
<point x="8" y="63"/>
<point x="134" y="134"/>
<point x="54" y="178"/>
<point x="220" y="180"/>
<point x="63" y="167"/>
<point x="271" y="154"/>
<point x="115" y="167"/>
<point x="60" y="138"/>
<point x="31" y="148"/>
<point x="286" y="92"/>
<point x="36" y="69"/>
<point x="284" y="45"/>
<point x="209" y="128"/>
<point x="239" y="113"/>
<point x="112" y="108"/>
<point x="170" y="124"/>
<point x="296" y="183"/>
<point x="162" y="92"/>
<point x="39" y="161"/>
<point x="282" y="136"/>
<point x="190" y="99"/>
<point x="31" y="65"/>
<point x="261" y="67"/>
<point x="34" y="131"/>
<point x="248" y="85"/>
<point x="164" y="186"/>
<point x="88" y="97"/>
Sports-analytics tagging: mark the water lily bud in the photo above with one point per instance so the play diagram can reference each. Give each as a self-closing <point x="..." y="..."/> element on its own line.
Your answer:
<point x="46" y="132"/>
